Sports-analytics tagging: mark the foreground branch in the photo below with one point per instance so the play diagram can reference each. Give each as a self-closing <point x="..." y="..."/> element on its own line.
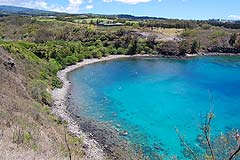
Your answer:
<point x="186" y="145"/>
<point x="238" y="149"/>
<point x="68" y="148"/>
<point x="206" y="130"/>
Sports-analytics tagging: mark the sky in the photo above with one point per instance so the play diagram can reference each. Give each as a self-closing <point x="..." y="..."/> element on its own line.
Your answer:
<point x="181" y="9"/>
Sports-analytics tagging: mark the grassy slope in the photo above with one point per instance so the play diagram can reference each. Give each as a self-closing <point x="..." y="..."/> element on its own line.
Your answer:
<point x="208" y="37"/>
<point x="29" y="130"/>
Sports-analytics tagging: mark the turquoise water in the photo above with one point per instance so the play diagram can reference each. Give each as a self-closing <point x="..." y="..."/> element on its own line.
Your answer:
<point x="150" y="97"/>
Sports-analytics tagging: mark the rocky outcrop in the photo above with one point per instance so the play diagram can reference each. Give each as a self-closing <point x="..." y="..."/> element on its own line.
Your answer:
<point x="9" y="64"/>
<point x="223" y="50"/>
<point x="7" y="61"/>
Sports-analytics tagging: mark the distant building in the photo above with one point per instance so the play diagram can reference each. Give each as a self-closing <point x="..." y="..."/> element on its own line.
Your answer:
<point x="110" y="24"/>
<point x="50" y="17"/>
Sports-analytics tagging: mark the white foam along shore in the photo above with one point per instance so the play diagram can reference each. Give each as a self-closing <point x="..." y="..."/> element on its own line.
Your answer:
<point x="211" y="54"/>
<point x="93" y="150"/>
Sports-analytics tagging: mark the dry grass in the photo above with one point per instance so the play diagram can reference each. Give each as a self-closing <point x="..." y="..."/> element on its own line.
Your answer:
<point x="168" y="31"/>
<point x="27" y="129"/>
<point x="214" y="36"/>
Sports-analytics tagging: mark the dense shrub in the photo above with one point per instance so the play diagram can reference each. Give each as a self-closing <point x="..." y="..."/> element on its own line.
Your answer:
<point x="96" y="53"/>
<point x="80" y="57"/>
<point x="218" y="33"/>
<point x="169" y="48"/>
<point x="190" y="33"/>
<point x="37" y="88"/>
<point x="232" y="39"/>
<point x="184" y="47"/>
<point x="56" y="82"/>
<point x="195" y="46"/>
<point x="237" y="44"/>
<point x="54" y="66"/>
<point x="69" y="60"/>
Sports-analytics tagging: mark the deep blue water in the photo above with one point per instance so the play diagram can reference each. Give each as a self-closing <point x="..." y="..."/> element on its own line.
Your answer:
<point x="150" y="97"/>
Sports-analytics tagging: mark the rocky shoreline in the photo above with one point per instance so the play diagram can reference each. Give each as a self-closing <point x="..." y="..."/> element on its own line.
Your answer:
<point x="87" y="129"/>
<point x="212" y="54"/>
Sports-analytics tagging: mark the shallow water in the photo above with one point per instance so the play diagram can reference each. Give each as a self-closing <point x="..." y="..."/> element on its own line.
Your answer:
<point x="150" y="97"/>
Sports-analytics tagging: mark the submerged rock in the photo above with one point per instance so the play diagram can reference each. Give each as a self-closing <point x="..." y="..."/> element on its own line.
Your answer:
<point x="114" y="114"/>
<point x="157" y="147"/>
<point x="118" y="126"/>
<point x="123" y="133"/>
<point x="108" y="138"/>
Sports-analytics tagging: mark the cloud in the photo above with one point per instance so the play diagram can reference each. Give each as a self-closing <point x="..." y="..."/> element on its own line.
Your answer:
<point x="72" y="7"/>
<point x="107" y="1"/>
<point x="234" y="16"/>
<point x="89" y="7"/>
<point x="129" y="1"/>
<point x="35" y="4"/>
<point x="14" y="2"/>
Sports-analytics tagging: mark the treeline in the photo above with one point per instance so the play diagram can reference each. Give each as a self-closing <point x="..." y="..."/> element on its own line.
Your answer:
<point x="171" y="23"/>
<point x="232" y="24"/>
<point x="129" y="20"/>
<point x="64" y="39"/>
<point x="71" y="42"/>
<point x="163" y="23"/>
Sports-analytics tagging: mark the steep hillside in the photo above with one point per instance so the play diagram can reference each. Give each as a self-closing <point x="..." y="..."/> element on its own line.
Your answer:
<point x="27" y="128"/>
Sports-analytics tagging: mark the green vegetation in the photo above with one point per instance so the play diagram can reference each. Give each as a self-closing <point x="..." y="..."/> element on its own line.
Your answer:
<point x="26" y="121"/>
<point x="41" y="46"/>
<point x="184" y="47"/>
<point x="233" y="39"/>
<point x="218" y="33"/>
<point x="65" y="41"/>
<point x="26" y="124"/>
<point x="190" y="33"/>
<point x="195" y="46"/>
<point x="37" y="88"/>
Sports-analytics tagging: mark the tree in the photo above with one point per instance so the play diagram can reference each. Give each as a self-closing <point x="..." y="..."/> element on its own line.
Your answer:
<point x="132" y="48"/>
<point x="69" y="60"/>
<point x="54" y="66"/>
<point x="135" y="25"/>
<point x="97" y="22"/>
<point x="168" y="48"/>
<point x="206" y="128"/>
<point x="151" y="40"/>
<point x="96" y="53"/>
<point x="121" y="50"/>
<point x="142" y="46"/>
<point x="195" y="46"/>
<point x="237" y="44"/>
<point x="232" y="39"/>
<point x="184" y="47"/>
<point x="43" y="35"/>
<point x="37" y="88"/>
<point x="104" y="51"/>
